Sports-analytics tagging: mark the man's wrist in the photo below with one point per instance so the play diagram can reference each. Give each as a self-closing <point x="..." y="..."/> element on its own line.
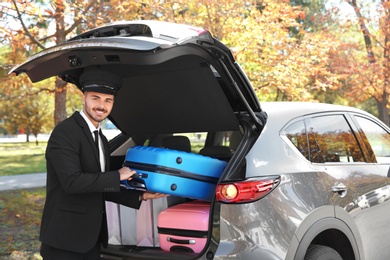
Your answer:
<point x="141" y="197"/>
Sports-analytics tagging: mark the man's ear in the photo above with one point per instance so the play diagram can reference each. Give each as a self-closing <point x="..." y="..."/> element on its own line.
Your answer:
<point x="83" y="98"/>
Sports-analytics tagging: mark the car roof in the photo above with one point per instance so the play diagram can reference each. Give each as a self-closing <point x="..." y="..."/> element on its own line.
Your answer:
<point x="158" y="31"/>
<point x="296" y="107"/>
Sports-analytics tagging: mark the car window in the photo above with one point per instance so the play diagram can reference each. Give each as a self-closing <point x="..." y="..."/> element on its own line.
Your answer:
<point x="378" y="138"/>
<point x="332" y="140"/>
<point x="197" y="140"/>
<point x="109" y="129"/>
<point x="211" y="144"/>
<point x="296" y="133"/>
<point x="194" y="140"/>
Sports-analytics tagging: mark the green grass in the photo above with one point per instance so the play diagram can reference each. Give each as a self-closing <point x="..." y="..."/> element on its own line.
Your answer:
<point x="21" y="210"/>
<point x="20" y="216"/>
<point x="22" y="158"/>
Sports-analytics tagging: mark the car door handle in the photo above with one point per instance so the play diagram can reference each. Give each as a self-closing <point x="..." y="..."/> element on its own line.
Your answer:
<point x="340" y="188"/>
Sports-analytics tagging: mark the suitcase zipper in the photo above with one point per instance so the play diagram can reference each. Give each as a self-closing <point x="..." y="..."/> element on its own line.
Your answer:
<point x="181" y="241"/>
<point x="168" y="171"/>
<point x="182" y="232"/>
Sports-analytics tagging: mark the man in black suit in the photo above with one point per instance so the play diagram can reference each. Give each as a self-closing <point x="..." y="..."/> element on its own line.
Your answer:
<point x="78" y="180"/>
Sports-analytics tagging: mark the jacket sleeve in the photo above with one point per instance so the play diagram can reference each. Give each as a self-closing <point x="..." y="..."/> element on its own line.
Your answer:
<point x="71" y="157"/>
<point x="129" y="198"/>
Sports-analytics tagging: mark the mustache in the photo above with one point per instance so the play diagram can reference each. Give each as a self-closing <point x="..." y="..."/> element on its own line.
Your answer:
<point x="100" y="109"/>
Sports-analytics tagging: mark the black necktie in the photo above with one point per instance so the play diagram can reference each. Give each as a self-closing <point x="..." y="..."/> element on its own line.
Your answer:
<point x="96" y="133"/>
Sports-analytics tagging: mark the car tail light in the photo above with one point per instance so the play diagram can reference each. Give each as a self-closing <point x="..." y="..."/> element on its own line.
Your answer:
<point x="246" y="191"/>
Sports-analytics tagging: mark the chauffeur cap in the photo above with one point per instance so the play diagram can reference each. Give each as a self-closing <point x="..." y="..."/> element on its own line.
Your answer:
<point x="98" y="80"/>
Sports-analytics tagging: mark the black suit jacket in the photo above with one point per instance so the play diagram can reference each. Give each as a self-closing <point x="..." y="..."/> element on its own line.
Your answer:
<point x="74" y="213"/>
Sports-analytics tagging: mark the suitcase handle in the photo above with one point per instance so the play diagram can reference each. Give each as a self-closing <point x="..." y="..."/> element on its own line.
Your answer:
<point x="135" y="183"/>
<point x="181" y="241"/>
<point x="140" y="175"/>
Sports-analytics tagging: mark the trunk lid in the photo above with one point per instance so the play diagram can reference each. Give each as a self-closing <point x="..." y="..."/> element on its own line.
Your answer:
<point x="177" y="78"/>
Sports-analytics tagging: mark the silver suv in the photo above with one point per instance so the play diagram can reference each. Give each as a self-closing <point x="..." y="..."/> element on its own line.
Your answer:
<point x="303" y="180"/>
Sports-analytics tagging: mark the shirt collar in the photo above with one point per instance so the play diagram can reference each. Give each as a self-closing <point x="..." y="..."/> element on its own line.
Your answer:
<point x="89" y="123"/>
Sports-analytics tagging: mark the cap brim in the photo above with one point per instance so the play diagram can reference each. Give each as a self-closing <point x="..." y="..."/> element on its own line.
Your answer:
<point x="100" y="89"/>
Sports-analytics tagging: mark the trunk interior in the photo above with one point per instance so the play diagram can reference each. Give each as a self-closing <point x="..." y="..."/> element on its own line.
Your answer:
<point x="134" y="234"/>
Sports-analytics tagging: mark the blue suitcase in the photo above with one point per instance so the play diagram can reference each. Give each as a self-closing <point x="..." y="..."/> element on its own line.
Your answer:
<point x="174" y="172"/>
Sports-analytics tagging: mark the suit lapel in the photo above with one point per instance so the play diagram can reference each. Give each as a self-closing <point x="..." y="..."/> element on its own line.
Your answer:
<point x="81" y="122"/>
<point x="105" y="150"/>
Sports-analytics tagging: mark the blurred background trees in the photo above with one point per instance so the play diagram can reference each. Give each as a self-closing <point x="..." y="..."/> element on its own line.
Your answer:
<point x="329" y="51"/>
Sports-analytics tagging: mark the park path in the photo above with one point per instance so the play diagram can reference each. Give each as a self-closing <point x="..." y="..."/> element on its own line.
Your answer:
<point x="22" y="181"/>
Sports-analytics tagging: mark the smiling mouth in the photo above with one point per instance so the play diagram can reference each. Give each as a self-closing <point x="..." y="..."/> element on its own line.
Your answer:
<point x="100" y="111"/>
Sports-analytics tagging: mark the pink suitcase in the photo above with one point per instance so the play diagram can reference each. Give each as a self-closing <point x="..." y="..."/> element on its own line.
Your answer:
<point x="184" y="227"/>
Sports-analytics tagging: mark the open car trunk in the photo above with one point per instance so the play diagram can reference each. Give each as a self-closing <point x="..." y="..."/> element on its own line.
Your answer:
<point x="171" y="86"/>
<point x="134" y="234"/>
<point x="186" y="97"/>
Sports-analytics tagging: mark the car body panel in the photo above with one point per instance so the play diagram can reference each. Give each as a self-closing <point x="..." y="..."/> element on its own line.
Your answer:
<point x="179" y="79"/>
<point x="360" y="178"/>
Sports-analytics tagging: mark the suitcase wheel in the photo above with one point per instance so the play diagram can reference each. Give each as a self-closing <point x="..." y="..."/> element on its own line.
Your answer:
<point x="173" y="187"/>
<point x="181" y="249"/>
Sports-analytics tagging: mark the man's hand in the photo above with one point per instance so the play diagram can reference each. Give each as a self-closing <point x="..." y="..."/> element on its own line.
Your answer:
<point x="150" y="195"/>
<point x="125" y="173"/>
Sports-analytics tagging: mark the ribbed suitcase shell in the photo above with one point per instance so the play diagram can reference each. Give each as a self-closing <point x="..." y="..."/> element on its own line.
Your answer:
<point x="184" y="227"/>
<point x="175" y="172"/>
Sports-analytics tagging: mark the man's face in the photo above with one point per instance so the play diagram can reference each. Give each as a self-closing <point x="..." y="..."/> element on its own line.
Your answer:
<point x="97" y="106"/>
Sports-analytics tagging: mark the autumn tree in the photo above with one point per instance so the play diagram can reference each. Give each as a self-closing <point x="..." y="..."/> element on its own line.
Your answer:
<point x="279" y="65"/>
<point x="283" y="59"/>
<point x="362" y="60"/>
<point x="23" y="109"/>
<point x="20" y="106"/>
<point x="377" y="83"/>
<point x="33" y="26"/>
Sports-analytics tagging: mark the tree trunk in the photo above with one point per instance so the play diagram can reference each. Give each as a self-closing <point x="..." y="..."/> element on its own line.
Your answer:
<point x="366" y="33"/>
<point x="59" y="101"/>
<point x="60" y="94"/>
<point x="383" y="111"/>
<point x="27" y="135"/>
<point x="381" y="101"/>
<point x="386" y="72"/>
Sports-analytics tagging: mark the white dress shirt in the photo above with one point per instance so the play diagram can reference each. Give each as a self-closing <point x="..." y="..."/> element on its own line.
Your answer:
<point x="92" y="128"/>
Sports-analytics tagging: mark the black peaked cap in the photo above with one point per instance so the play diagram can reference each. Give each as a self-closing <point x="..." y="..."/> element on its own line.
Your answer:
<point x="98" y="80"/>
